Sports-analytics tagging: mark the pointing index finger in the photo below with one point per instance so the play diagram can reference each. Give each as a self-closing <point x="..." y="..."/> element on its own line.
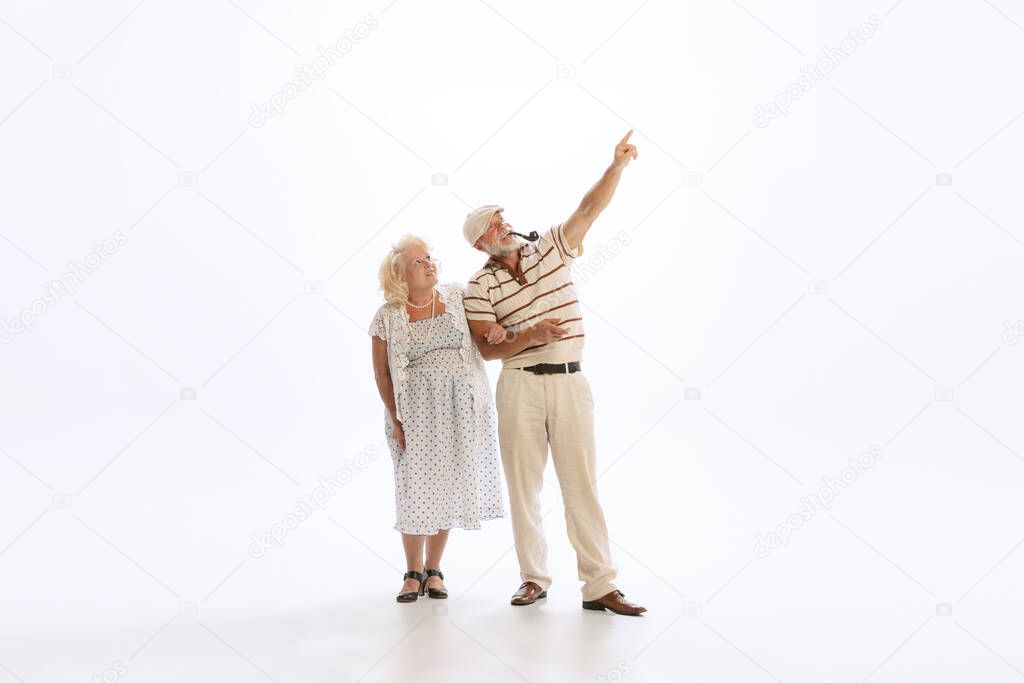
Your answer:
<point x="626" y="139"/>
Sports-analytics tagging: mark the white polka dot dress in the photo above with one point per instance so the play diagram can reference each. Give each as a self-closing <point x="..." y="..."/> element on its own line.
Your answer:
<point x="448" y="475"/>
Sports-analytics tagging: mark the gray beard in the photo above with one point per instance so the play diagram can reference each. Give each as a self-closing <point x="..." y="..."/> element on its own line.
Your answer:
<point x="498" y="250"/>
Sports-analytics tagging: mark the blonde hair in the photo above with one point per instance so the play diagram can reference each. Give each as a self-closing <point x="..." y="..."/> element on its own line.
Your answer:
<point x="392" y="270"/>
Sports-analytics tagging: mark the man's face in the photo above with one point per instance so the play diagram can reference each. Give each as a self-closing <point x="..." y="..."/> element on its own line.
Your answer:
<point x="497" y="240"/>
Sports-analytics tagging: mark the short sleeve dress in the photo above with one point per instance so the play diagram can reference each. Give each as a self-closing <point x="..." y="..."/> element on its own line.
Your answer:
<point x="448" y="475"/>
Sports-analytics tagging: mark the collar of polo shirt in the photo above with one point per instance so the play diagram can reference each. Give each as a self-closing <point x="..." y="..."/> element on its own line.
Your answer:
<point x="519" y="276"/>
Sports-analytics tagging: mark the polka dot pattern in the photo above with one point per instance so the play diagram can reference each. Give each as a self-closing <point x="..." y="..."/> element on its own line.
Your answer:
<point x="448" y="476"/>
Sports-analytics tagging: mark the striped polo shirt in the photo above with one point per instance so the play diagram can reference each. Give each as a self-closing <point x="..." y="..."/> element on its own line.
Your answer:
<point x="541" y="289"/>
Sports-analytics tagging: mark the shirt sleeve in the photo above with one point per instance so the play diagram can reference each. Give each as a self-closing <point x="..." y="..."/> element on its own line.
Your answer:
<point x="557" y="236"/>
<point x="377" y="326"/>
<point x="477" y="303"/>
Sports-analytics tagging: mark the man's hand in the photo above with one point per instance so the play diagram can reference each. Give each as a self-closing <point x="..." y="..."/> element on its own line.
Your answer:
<point x="547" y="330"/>
<point x="595" y="201"/>
<point x="543" y="332"/>
<point x="624" y="152"/>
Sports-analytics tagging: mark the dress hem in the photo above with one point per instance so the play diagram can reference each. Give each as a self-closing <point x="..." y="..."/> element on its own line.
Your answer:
<point x="461" y="524"/>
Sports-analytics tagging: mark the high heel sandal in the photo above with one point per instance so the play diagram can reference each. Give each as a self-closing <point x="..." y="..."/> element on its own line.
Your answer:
<point x="412" y="596"/>
<point x="436" y="593"/>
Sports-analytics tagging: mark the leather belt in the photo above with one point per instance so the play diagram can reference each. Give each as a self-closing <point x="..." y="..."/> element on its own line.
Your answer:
<point x="553" y="368"/>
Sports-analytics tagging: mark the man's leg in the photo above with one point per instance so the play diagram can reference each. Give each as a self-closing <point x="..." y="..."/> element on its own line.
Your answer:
<point x="524" y="452"/>
<point x="571" y="433"/>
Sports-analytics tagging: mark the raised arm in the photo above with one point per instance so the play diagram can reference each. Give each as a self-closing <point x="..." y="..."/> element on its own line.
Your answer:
<point x="595" y="201"/>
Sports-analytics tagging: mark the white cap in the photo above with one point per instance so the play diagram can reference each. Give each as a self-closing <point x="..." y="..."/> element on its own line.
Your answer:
<point x="478" y="220"/>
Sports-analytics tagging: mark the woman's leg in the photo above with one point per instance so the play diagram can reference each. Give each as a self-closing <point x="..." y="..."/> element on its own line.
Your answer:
<point x="413" y="545"/>
<point x="435" y="549"/>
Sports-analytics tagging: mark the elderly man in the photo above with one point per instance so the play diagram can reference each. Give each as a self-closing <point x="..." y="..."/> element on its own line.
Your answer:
<point x="543" y="399"/>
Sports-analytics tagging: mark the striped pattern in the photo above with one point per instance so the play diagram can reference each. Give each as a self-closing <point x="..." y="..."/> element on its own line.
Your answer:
<point x="543" y="289"/>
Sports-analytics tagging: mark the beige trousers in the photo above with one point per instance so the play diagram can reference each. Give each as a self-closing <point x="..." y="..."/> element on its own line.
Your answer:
<point x="535" y="411"/>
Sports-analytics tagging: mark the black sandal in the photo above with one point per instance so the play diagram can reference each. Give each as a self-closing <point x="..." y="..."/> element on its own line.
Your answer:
<point x="412" y="596"/>
<point x="436" y="593"/>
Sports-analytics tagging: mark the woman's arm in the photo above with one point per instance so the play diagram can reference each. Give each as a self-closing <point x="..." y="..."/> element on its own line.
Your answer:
<point x="382" y="374"/>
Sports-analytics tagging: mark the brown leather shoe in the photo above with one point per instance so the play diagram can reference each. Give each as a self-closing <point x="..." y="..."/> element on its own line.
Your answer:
<point x="615" y="602"/>
<point x="528" y="594"/>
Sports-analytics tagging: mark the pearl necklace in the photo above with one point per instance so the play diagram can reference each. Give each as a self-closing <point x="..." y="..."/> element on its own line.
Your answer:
<point x="409" y="303"/>
<point x="433" y="317"/>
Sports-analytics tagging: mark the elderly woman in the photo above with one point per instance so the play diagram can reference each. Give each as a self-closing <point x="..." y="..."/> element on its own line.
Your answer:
<point x="440" y="420"/>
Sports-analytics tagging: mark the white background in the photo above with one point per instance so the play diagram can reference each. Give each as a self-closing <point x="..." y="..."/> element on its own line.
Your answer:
<point x="814" y="280"/>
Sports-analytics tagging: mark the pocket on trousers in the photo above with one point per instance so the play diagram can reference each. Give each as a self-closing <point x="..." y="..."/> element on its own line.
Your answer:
<point x="501" y="389"/>
<point x="586" y="395"/>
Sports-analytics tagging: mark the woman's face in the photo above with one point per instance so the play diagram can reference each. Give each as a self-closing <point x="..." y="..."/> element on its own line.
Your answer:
<point x="420" y="269"/>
